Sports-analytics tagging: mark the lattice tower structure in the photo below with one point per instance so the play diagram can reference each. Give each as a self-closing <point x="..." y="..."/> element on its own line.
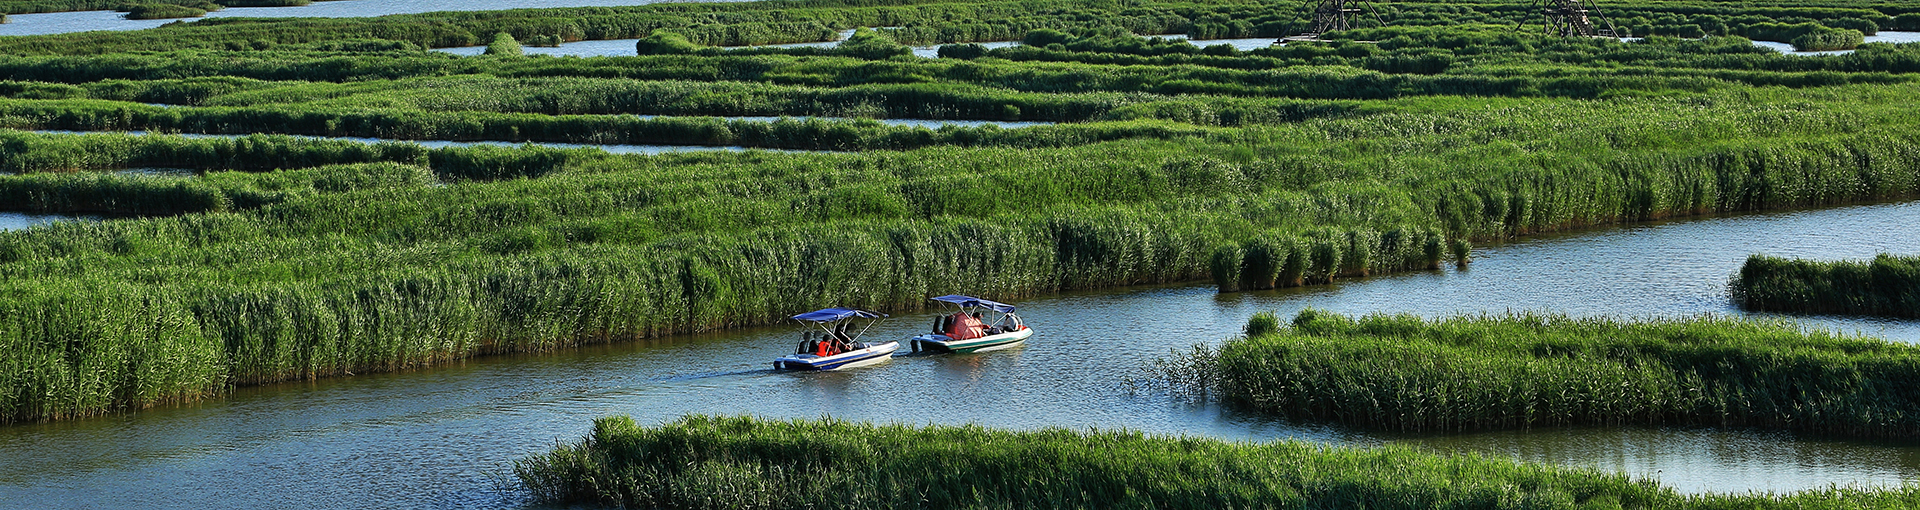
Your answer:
<point x="1336" y="15"/>
<point x="1574" y="18"/>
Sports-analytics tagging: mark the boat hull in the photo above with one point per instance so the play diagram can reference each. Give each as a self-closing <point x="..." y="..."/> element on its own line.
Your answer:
<point x="989" y="343"/>
<point x="872" y="354"/>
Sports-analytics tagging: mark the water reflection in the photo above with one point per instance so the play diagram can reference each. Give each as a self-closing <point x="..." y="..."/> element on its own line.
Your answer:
<point x="625" y="47"/>
<point x="23" y="221"/>
<point x="1882" y="37"/>
<point x="432" y="438"/>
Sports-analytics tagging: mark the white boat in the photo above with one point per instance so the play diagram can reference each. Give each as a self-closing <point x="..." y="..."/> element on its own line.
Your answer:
<point x="835" y="349"/>
<point x="968" y="329"/>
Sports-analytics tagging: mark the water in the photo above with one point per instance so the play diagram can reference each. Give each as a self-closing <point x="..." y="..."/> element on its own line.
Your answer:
<point x="1883" y="37"/>
<point x="438" y="437"/>
<point x="625" y="47"/>
<point x="1238" y="44"/>
<point x="81" y="21"/>
<point x="23" y="221"/>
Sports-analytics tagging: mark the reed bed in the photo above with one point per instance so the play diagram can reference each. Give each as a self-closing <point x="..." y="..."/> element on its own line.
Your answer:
<point x="740" y="462"/>
<point x="291" y="258"/>
<point x="536" y="249"/>
<point x="1886" y="286"/>
<point x="923" y="22"/>
<point x="1405" y="373"/>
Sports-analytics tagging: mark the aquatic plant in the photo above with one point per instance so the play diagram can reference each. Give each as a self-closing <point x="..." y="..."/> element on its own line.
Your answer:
<point x="1888" y="286"/>
<point x="1405" y="373"/>
<point x="741" y="462"/>
<point x="167" y="11"/>
<point x="291" y="258"/>
<point x="504" y="45"/>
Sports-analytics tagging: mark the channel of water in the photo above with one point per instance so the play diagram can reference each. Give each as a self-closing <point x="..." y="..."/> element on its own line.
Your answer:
<point x="1882" y="37"/>
<point x="441" y="437"/>
<point x="625" y="47"/>
<point x="23" y="221"/>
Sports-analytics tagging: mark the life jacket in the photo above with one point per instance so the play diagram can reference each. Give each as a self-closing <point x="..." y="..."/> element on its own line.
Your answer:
<point x="965" y="327"/>
<point x="824" y="349"/>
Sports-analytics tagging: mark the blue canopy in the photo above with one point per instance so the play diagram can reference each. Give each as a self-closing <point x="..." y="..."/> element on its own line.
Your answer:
<point x="834" y="314"/>
<point x="974" y="301"/>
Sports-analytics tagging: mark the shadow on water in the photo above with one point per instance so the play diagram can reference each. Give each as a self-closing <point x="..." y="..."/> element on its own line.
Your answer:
<point x="439" y="437"/>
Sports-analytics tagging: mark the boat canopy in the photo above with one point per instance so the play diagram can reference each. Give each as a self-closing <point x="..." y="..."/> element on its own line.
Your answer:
<point x="834" y="314"/>
<point x="974" y="301"/>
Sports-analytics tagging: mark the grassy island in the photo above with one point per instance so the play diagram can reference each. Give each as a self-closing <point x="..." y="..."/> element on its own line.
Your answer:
<point x="1404" y="373"/>
<point x="718" y="462"/>
<point x="1887" y="286"/>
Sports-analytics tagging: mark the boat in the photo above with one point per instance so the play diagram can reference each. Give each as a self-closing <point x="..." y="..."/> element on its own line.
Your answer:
<point x="966" y="330"/>
<point x="835" y="348"/>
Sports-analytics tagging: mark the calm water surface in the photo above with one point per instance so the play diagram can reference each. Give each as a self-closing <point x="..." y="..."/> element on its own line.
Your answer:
<point x="1884" y="37"/>
<point x="438" y="438"/>
<point x="23" y="221"/>
<point x="625" y="47"/>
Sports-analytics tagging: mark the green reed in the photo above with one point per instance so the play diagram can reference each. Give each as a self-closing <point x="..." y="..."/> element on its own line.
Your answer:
<point x="1404" y="373"/>
<point x="535" y="249"/>
<point x="1888" y="285"/>
<point x="740" y="462"/>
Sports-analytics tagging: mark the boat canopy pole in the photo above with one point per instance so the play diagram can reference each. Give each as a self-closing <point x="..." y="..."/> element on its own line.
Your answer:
<point x="863" y="331"/>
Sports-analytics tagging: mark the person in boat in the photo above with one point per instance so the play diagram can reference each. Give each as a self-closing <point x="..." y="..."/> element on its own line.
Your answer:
<point x="965" y="327"/>
<point x="806" y="343"/>
<point x="842" y="342"/>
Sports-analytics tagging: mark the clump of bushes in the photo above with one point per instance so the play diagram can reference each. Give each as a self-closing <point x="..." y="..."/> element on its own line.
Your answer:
<point x="1406" y="373"/>
<point x="169" y="11"/>
<point x="1886" y="286"/>
<point x="504" y="44"/>
<point x="665" y="43"/>
<point x="1828" y="40"/>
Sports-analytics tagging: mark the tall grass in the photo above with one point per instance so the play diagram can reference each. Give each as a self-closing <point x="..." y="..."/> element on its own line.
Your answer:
<point x="1886" y="286"/>
<point x="737" y="462"/>
<point x="1467" y="373"/>
<point x="1266" y="168"/>
<point x="590" y="247"/>
<point x="157" y="195"/>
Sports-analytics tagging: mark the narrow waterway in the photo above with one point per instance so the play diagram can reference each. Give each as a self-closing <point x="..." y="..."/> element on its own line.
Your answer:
<point x="23" y="221"/>
<point x="1882" y="37"/>
<point x="441" y="437"/>
<point x="625" y="47"/>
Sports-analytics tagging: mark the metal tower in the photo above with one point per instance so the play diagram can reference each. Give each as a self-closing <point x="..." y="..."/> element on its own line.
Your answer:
<point x="1335" y="15"/>
<point x="1572" y="18"/>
